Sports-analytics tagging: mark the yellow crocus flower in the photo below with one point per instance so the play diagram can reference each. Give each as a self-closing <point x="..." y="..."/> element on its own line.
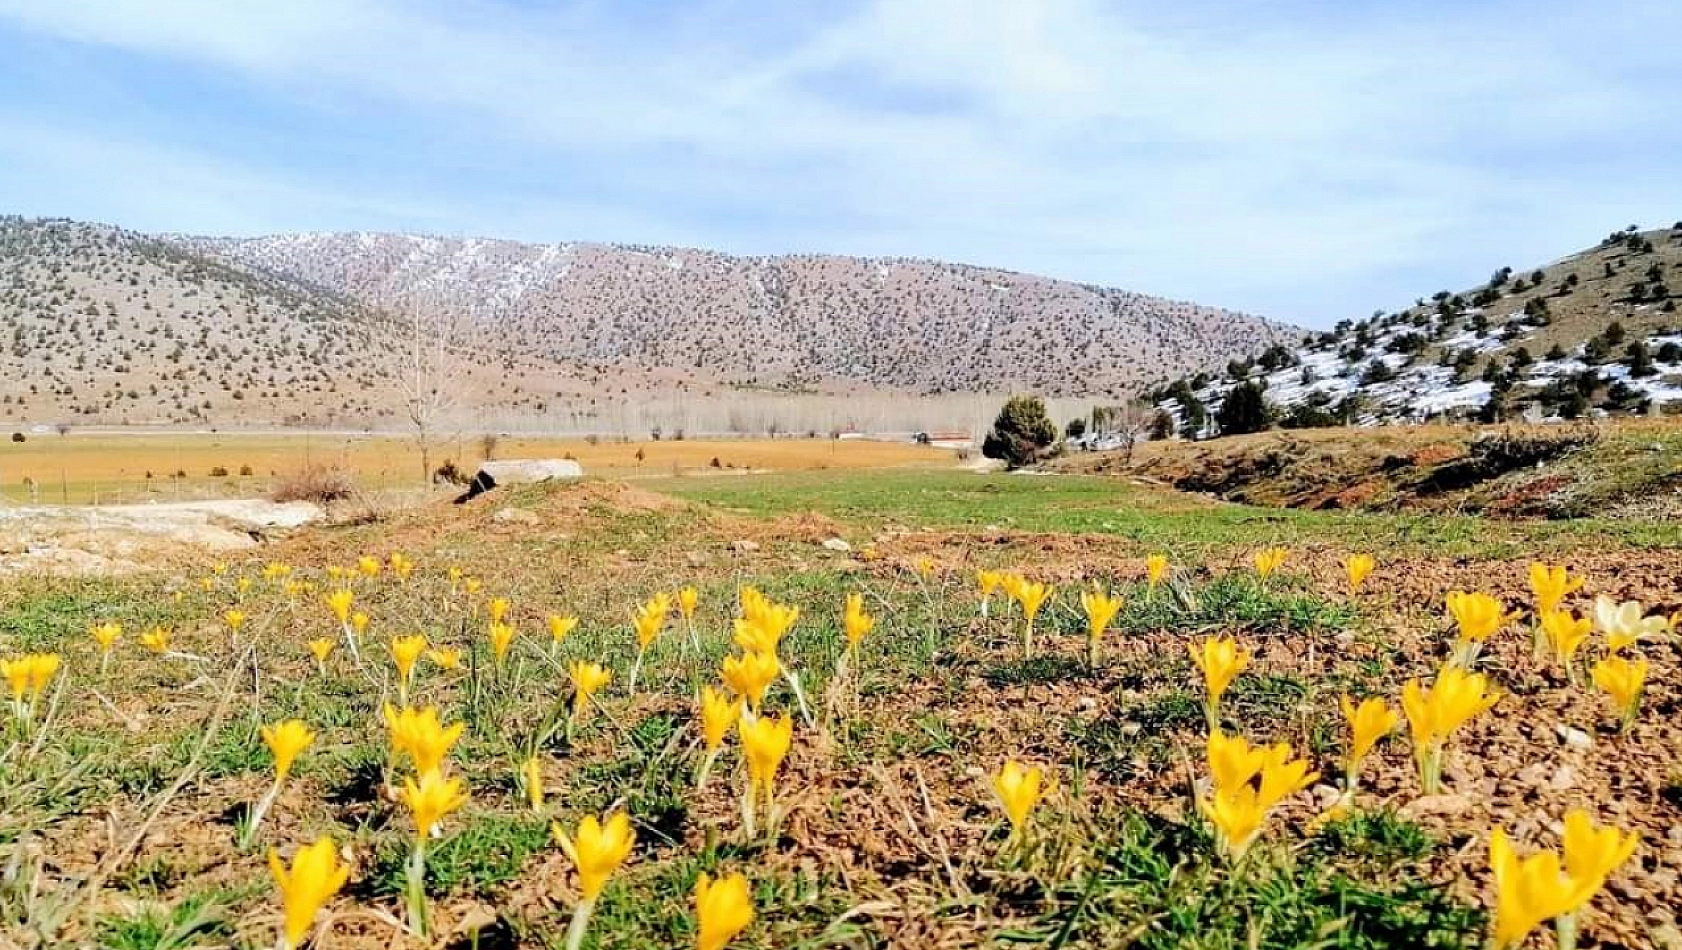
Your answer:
<point x="1100" y="609"/>
<point x="1019" y="788"/>
<point x="315" y="876"/>
<point x="855" y="621"/>
<point x="431" y="800"/>
<point x="445" y="658"/>
<point x="368" y="566"/>
<point x="597" y="850"/>
<point x="688" y="598"/>
<point x="235" y="619"/>
<point x="405" y="653"/>
<point x="1232" y="760"/>
<point x="471" y="586"/>
<point x="1435" y="715"/>
<point x="155" y="640"/>
<point x="16" y="672"/>
<point x="1156" y="568"/>
<point x="1565" y="633"/>
<point x="1281" y="775"/>
<point x="498" y="609"/>
<point x="649" y="619"/>
<point x="421" y="736"/>
<point x="286" y="740"/>
<point x="1477" y="615"/>
<point x="765" y="741"/>
<point x="1623" y="680"/>
<point x="501" y="636"/>
<point x="1358" y="567"/>
<point x="559" y="627"/>
<point x="587" y="678"/>
<point x="1269" y="560"/>
<point x="531" y="772"/>
<point x="723" y="909"/>
<point x="1528" y="891"/>
<point x="42" y="668"/>
<point x="1592" y="854"/>
<point x="339" y="603"/>
<point x="1369" y="722"/>
<point x="401" y="565"/>
<point x="321" y="648"/>
<point x="359" y="623"/>
<point x="105" y="634"/>
<point x="1237" y="814"/>
<point x="1551" y="584"/>
<point x="1030" y="596"/>
<point x="750" y="675"/>
<point x="719" y="711"/>
<point x="988" y="581"/>
<point x="1221" y="660"/>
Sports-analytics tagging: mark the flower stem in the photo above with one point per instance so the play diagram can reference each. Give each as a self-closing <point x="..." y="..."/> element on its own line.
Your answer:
<point x="707" y="764"/>
<point x="1565" y="931"/>
<point x="636" y="668"/>
<point x="747" y="810"/>
<point x="255" y="819"/>
<point x="1431" y="769"/>
<point x="800" y="697"/>
<point x="415" y="887"/>
<point x="580" y="924"/>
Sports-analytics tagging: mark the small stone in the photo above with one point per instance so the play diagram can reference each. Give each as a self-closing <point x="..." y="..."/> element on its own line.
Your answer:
<point x="1562" y="779"/>
<point x="1086" y="703"/>
<point x="974" y="771"/>
<point x="837" y="545"/>
<point x="1533" y="774"/>
<point x="1450" y="804"/>
<point x="515" y="516"/>
<point x="1667" y="937"/>
<point x="1131" y="729"/>
<point x="696" y="558"/>
<point x="744" y="546"/>
<point x="1325" y="796"/>
<point x="1575" y="738"/>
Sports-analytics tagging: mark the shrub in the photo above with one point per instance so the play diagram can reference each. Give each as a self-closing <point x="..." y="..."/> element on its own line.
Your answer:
<point x="245" y="471"/>
<point x="18" y="437"/>
<point x="219" y="472"/>
<point x="450" y="474"/>
<point x="1021" y="433"/>
<point x="316" y="483"/>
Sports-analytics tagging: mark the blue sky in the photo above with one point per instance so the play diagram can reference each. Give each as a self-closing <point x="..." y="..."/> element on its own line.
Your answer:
<point x="1304" y="159"/>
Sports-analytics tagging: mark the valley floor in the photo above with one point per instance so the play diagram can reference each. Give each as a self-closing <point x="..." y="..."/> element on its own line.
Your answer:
<point x="121" y="809"/>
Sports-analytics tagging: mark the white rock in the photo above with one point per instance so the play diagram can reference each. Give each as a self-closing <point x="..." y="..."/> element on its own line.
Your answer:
<point x="530" y="471"/>
<point x="515" y="516"/>
<point x="1575" y="738"/>
<point x="837" y="545"/>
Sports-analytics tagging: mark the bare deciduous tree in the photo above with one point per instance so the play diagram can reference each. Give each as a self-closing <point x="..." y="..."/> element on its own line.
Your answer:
<point x="431" y="375"/>
<point x="1129" y="421"/>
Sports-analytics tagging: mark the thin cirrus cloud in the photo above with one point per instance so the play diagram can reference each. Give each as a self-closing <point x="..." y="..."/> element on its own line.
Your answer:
<point x="1301" y="159"/>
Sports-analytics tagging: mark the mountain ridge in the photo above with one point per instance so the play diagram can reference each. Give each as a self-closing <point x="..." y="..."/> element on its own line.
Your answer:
<point x="306" y="328"/>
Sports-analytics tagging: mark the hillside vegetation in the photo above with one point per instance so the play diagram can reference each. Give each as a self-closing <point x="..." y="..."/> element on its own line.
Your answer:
<point x="1594" y="332"/>
<point x="789" y="322"/>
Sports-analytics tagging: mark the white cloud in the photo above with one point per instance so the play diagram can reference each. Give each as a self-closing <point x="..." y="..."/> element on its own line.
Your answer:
<point x="1300" y="163"/>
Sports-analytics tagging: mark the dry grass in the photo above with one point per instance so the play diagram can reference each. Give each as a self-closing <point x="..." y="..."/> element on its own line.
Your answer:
<point x="81" y="468"/>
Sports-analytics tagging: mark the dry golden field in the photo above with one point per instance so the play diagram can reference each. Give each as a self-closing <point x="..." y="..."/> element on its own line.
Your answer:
<point x="106" y="468"/>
